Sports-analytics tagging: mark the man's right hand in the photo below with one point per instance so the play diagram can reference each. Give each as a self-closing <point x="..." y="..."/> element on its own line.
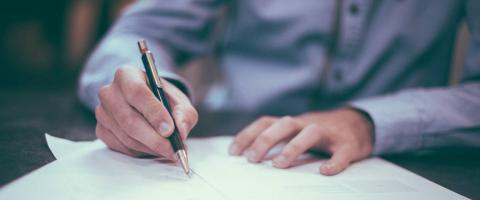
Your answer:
<point x="132" y="121"/>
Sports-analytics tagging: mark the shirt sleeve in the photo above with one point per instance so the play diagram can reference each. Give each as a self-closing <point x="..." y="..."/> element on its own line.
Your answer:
<point x="176" y="32"/>
<point x="421" y="118"/>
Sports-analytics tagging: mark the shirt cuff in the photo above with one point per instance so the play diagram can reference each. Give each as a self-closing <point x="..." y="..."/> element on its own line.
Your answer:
<point x="171" y="77"/>
<point x="121" y="50"/>
<point x="397" y="123"/>
<point x="178" y="81"/>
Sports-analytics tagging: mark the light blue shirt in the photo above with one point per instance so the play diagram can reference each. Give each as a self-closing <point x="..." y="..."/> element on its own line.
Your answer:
<point x="391" y="59"/>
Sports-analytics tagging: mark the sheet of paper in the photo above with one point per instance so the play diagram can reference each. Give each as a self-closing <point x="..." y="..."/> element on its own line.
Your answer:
<point x="372" y="178"/>
<point x="90" y="171"/>
<point x="61" y="148"/>
<point x="95" y="172"/>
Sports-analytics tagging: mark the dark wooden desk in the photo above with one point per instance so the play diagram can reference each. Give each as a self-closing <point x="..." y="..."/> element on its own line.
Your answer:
<point x="25" y="115"/>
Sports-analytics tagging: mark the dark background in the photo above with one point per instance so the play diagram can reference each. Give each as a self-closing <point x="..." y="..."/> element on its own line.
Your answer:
<point x="44" y="43"/>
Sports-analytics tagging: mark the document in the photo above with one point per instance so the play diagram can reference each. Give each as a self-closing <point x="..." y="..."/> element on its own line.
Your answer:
<point x="89" y="170"/>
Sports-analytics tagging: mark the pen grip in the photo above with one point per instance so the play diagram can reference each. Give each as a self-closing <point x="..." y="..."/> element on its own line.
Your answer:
<point x="175" y="138"/>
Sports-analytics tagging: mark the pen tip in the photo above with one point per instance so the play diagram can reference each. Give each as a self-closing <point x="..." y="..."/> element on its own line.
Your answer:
<point x="182" y="156"/>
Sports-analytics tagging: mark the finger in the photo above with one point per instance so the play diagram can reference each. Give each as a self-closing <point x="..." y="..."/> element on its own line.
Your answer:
<point x="281" y="129"/>
<point x="186" y="117"/>
<point x="112" y="142"/>
<point x="133" y="123"/>
<point x="134" y="88"/>
<point x="104" y="118"/>
<point x="175" y="95"/>
<point x="247" y="135"/>
<point x="338" y="162"/>
<point x="184" y="114"/>
<point x="306" y="139"/>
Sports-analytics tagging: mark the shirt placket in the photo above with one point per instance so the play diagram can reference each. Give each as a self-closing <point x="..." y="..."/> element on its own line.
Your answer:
<point x="354" y="14"/>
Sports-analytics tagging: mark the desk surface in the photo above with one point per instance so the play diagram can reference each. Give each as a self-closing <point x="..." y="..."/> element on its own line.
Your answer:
<point x="25" y="115"/>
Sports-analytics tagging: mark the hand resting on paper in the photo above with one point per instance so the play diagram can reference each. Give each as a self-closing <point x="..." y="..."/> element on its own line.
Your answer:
<point x="343" y="133"/>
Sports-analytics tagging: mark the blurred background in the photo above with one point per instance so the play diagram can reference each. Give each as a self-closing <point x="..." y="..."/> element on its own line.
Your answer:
<point x="44" y="43"/>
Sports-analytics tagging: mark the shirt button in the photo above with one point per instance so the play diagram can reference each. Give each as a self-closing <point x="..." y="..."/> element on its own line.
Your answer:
<point x="353" y="9"/>
<point x="338" y="75"/>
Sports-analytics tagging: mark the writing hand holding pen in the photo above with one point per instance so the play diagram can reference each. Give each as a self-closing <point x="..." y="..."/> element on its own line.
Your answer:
<point x="131" y="120"/>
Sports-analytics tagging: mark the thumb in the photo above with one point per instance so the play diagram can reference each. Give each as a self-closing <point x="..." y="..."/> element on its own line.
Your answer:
<point x="337" y="163"/>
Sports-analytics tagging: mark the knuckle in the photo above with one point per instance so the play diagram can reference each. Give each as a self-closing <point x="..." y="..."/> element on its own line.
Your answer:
<point x="187" y="114"/>
<point x="266" y="119"/>
<point x="128" y="123"/>
<point x="241" y="140"/>
<point x="155" y="114"/>
<point x="295" y="147"/>
<point x="288" y="120"/>
<point x="135" y="92"/>
<point x="287" y="154"/>
<point x="192" y="115"/>
<point x="266" y="139"/>
<point x="317" y="132"/>
<point x="121" y="73"/>
<point x="104" y="93"/>
<point x="291" y="149"/>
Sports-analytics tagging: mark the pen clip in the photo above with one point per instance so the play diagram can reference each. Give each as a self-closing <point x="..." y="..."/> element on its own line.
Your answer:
<point x="149" y="62"/>
<point x="153" y="68"/>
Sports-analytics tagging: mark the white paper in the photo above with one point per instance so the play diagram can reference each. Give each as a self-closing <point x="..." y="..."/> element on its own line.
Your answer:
<point x="61" y="148"/>
<point x="89" y="170"/>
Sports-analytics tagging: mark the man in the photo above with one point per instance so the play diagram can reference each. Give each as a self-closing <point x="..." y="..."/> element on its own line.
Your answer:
<point x="352" y="78"/>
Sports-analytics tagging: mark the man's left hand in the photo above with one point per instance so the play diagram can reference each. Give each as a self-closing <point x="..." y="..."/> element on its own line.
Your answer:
<point x="343" y="133"/>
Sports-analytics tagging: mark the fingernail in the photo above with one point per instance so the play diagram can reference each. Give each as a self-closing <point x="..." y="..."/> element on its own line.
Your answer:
<point x="164" y="129"/>
<point x="250" y="155"/>
<point x="326" y="168"/>
<point x="234" y="150"/>
<point x="280" y="161"/>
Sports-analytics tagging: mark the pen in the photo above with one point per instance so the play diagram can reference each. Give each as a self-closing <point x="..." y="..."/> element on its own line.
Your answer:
<point x="157" y="88"/>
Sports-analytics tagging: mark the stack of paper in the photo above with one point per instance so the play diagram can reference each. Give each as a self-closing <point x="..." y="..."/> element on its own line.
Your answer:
<point x="89" y="170"/>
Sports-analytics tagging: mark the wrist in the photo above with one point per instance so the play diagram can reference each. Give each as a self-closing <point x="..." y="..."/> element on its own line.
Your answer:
<point x="366" y="120"/>
<point x="365" y="116"/>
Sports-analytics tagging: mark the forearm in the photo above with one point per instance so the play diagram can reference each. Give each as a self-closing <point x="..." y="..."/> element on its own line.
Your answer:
<point x="420" y="118"/>
<point x="173" y="31"/>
